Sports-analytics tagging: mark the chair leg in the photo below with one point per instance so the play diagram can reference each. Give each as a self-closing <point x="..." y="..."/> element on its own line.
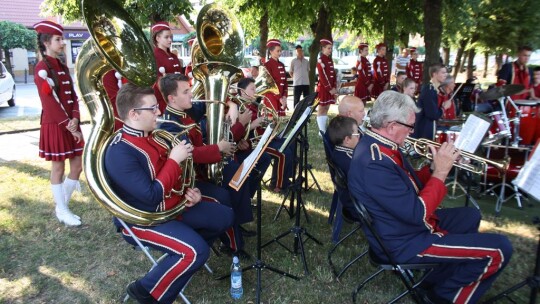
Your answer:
<point x="361" y="285"/>
<point x="208" y="268"/>
<point x="346" y="267"/>
<point x="334" y="270"/>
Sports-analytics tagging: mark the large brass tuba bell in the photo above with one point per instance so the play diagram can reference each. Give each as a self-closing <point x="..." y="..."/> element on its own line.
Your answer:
<point x="117" y="42"/>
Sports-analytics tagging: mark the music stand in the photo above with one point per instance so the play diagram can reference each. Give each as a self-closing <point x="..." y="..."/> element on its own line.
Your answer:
<point x="464" y="94"/>
<point x="296" y="188"/>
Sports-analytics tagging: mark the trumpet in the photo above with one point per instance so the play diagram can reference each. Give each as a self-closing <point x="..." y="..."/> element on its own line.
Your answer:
<point x="477" y="166"/>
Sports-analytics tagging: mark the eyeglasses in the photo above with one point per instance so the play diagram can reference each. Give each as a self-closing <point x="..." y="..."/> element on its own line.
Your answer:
<point x="153" y="108"/>
<point x="356" y="134"/>
<point x="405" y="125"/>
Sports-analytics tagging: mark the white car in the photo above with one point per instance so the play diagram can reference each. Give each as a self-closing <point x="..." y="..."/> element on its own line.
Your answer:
<point x="7" y="87"/>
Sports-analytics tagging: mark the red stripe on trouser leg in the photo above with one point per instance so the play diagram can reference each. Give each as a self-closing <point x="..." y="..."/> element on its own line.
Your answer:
<point x="209" y="199"/>
<point x="494" y="256"/>
<point x="177" y="246"/>
<point x="280" y="165"/>
<point x="232" y="239"/>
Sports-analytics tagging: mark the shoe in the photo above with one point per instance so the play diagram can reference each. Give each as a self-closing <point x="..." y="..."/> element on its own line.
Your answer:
<point x="66" y="217"/>
<point x="139" y="294"/>
<point x="247" y="233"/>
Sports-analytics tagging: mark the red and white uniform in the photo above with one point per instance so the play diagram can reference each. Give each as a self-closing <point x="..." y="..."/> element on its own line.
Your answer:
<point x="415" y="71"/>
<point x="59" y="105"/>
<point x="277" y="71"/>
<point x="327" y="80"/>
<point x="381" y="76"/>
<point x="449" y="113"/>
<point x="168" y="63"/>
<point x="112" y="82"/>
<point x="365" y="78"/>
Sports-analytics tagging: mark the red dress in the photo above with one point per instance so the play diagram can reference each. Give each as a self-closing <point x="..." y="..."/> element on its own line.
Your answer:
<point x="415" y="71"/>
<point x="365" y="78"/>
<point x="110" y="84"/>
<point x="277" y="70"/>
<point x="56" y="143"/>
<point x="171" y="64"/>
<point x="327" y="80"/>
<point x="381" y="76"/>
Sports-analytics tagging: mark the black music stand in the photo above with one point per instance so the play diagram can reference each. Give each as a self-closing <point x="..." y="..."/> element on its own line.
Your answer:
<point x="532" y="281"/>
<point x="259" y="264"/>
<point x="464" y="95"/>
<point x="296" y="190"/>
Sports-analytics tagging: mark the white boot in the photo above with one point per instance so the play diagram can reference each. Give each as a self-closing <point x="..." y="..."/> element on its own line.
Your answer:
<point x="62" y="212"/>
<point x="321" y="122"/>
<point x="71" y="185"/>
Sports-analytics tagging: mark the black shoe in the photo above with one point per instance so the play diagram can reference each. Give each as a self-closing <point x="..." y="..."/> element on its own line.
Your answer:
<point x="247" y="233"/>
<point x="139" y="294"/>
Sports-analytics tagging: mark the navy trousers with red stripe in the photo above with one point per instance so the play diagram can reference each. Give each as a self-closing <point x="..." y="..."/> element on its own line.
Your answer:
<point x="186" y="242"/>
<point x="471" y="261"/>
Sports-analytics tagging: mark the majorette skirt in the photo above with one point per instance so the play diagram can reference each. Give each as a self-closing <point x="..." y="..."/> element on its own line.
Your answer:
<point x="57" y="144"/>
<point x="325" y="98"/>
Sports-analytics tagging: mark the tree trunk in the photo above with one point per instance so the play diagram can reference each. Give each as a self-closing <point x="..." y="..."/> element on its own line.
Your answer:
<point x="263" y="26"/>
<point x="403" y="41"/>
<point x="459" y="55"/>
<point x="322" y="28"/>
<point x="470" y="63"/>
<point x="389" y="35"/>
<point x="498" y="63"/>
<point x="486" y="64"/>
<point x="446" y="55"/>
<point x="433" y="33"/>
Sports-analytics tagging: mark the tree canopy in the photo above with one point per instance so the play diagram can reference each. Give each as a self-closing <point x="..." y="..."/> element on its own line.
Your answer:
<point x="15" y="35"/>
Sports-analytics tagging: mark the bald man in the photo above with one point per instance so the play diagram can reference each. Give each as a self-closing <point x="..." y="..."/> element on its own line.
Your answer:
<point x="352" y="106"/>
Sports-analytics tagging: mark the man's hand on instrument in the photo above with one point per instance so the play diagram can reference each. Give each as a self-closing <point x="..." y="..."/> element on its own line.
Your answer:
<point x="443" y="159"/>
<point x="226" y="147"/>
<point x="181" y="151"/>
<point x="232" y="113"/>
<point x="242" y="145"/>
<point x="256" y="123"/>
<point x="193" y="196"/>
<point x="245" y="117"/>
<point x="447" y="104"/>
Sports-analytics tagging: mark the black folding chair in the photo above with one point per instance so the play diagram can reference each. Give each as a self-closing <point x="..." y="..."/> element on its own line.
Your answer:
<point x="334" y="216"/>
<point x="402" y="270"/>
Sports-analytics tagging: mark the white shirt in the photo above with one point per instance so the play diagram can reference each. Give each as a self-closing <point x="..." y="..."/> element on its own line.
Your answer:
<point x="300" y="71"/>
<point x="403" y="61"/>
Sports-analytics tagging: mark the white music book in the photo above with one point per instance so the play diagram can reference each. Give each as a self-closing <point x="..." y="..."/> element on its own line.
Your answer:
<point x="298" y="124"/>
<point x="247" y="165"/>
<point x="528" y="178"/>
<point x="472" y="133"/>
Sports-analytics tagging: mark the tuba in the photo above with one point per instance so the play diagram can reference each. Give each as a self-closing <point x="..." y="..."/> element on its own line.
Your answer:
<point x="116" y="43"/>
<point x="221" y="40"/>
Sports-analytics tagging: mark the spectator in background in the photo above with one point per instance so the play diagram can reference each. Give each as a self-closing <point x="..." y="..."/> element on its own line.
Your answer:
<point x="398" y="87"/>
<point x="299" y="71"/>
<point x="409" y="88"/>
<point x="402" y="61"/>
<point x="254" y="71"/>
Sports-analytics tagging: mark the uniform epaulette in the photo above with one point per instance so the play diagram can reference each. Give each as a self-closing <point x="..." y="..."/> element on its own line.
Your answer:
<point x="375" y="152"/>
<point x="116" y="138"/>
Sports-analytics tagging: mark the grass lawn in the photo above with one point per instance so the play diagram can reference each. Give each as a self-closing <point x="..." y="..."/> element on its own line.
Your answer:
<point x="42" y="261"/>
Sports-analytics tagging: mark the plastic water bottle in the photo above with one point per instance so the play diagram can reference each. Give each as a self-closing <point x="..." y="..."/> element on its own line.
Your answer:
<point x="236" y="279"/>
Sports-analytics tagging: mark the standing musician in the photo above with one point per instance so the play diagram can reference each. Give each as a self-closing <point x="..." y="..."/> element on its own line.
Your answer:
<point x="112" y="82"/>
<point x="404" y="208"/>
<point x="415" y="69"/>
<point x="364" y="83"/>
<point x="166" y="61"/>
<point x="143" y="174"/>
<point x="276" y="68"/>
<point x="60" y="135"/>
<point x="327" y="85"/>
<point x="177" y="90"/>
<point x="381" y="71"/>
<point x="517" y="72"/>
<point x="188" y="71"/>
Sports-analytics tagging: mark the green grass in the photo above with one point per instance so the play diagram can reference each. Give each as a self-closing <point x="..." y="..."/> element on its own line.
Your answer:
<point x="42" y="261"/>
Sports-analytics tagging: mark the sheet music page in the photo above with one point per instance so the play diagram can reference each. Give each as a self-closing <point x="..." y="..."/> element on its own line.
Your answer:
<point x="248" y="163"/>
<point x="528" y="178"/>
<point x="299" y="123"/>
<point x="472" y="133"/>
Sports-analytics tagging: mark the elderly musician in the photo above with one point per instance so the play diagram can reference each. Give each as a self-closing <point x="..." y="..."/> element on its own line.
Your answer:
<point x="404" y="208"/>
<point x="143" y="173"/>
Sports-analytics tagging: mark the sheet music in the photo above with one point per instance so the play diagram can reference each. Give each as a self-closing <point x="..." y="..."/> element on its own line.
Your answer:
<point x="528" y="179"/>
<point x="248" y="163"/>
<point x="298" y="124"/>
<point x="472" y="133"/>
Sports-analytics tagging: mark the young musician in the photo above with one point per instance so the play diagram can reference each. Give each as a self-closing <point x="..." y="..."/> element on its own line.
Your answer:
<point x="327" y="85"/>
<point x="409" y="88"/>
<point x="398" y="87"/>
<point x="177" y="90"/>
<point x="415" y="69"/>
<point x="364" y="83"/>
<point x="60" y="135"/>
<point x="404" y="209"/>
<point x="143" y="173"/>
<point x="276" y="69"/>
<point x="518" y="73"/>
<point x="381" y="71"/>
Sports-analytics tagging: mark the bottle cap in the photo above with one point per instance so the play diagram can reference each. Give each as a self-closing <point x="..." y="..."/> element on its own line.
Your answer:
<point x="235" y="259"/>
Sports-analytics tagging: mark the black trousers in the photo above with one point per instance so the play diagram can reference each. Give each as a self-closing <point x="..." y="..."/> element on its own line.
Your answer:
<point x="300" y="90"/>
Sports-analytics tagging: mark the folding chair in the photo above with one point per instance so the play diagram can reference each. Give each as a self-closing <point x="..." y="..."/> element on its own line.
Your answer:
<point x="334" y="216"/>
<point x="403" y="270"/>
<point x="144" y="249"/>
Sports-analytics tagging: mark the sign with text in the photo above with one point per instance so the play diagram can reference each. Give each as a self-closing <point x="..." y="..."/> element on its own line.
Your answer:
<point x="76" y="35"/>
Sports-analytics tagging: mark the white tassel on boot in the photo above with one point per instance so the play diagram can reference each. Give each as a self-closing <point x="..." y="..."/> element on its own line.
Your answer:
<point x="62" y="212"/>
<point x="321" y="122"/>
<point x="71" y="185"/>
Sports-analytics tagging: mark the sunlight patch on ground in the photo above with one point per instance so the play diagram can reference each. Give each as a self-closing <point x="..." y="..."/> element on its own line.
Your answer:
<point x="14" y="289"/>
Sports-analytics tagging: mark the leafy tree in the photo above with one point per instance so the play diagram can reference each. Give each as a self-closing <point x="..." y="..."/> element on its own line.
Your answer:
<point x="15" y="35"/>
<point x="433" y="32"/>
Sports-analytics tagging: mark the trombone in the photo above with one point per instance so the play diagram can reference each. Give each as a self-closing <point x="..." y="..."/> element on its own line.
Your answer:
<point x="479" y="165"/>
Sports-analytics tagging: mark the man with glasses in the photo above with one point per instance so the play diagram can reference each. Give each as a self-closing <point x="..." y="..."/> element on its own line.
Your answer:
<point x="404" y="209"/>
<point x="143" y="173"/>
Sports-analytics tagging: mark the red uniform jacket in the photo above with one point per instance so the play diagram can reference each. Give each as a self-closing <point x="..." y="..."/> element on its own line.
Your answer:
<point x="381" y="75"/>
<point x="110" y="84"/>
<point x="449" y="113"/>
<point x="66" y="107"/>
<point x="277" y="71"/>
<point x="365" y="78"/>
<point x="327" y="80"/>
<point x="171" y="64"/>
<point x="415" y="71"/>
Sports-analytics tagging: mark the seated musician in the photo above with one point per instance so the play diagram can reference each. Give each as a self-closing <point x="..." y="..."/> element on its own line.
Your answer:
<point x="400" y="77"/>
<point x="352" y="106"/>
<point x="177" y="92"/>
<point x="142" y="173"/>
<point x="404" y="208"/>
<point x="446" y="90"/>
<point x="344" y="136"/>
<point x="283" y="166"/>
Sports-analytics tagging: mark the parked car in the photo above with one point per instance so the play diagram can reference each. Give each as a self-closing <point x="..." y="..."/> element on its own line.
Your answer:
<point x="7" y="87"/>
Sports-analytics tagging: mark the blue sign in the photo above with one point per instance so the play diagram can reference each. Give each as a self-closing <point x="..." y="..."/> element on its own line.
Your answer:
<point x="77" y="35"/>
